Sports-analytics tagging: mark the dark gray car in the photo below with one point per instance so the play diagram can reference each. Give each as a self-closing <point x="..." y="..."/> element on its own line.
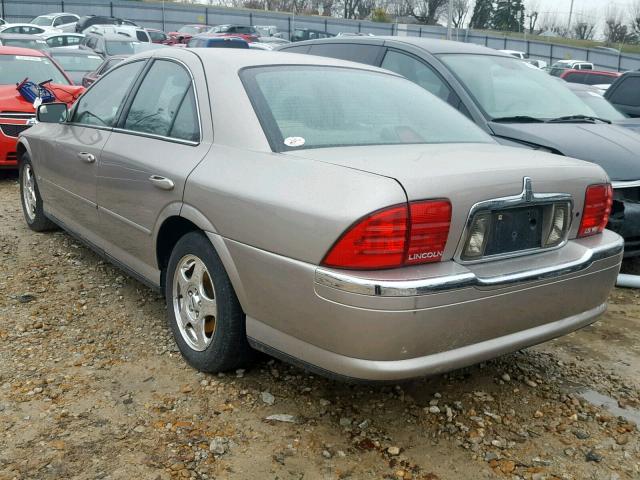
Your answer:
<point x="513" y="101"/>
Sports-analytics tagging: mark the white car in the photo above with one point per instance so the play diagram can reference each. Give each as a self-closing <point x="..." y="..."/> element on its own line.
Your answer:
<point x="26" y="28"/>
<point x="135" y="33"/>
<point x="516" y="53"/>
<point x="65" y="39"/>
<point x="62" y="21"/>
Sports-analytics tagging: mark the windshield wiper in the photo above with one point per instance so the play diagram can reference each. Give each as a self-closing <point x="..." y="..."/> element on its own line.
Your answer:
<point x="518" y="119"/>
<point x="578" y="118"/>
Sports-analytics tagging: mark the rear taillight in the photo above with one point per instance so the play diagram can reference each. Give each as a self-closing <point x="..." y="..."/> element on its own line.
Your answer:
<point x="393" y="237"/>
<point x="597" y="206"/>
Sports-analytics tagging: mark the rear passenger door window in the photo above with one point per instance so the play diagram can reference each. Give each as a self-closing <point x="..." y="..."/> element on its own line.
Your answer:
<point x="164" y="104"/>
<point x="420" y="73"/>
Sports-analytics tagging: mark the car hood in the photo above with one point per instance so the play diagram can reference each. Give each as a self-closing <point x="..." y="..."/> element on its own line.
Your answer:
<point x="614" y="148"/>
<point x="12" y="101"/>
<point x="471" y="172"/>
<point x="632" y="123"/>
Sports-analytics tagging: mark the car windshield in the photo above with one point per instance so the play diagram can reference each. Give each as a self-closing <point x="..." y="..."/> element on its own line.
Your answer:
<point x="24" y="43"/>
<point x="189" y="29"/>
<point x="15" y="68"/>
<point x="42" y="21"/>
<point x="505" y="87"/>
<point x="600" y="106"/>
<point x="115" y="47"/>
<point x="78" y="63"/>
<point x="312" y="107"/>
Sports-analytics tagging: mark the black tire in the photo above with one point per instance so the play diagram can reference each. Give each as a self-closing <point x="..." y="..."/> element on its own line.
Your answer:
<point x="36" y="219"/>
<point x="228" y="348"/>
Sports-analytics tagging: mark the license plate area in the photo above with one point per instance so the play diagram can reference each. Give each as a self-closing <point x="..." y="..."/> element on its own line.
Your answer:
<point x="515" y="229"/>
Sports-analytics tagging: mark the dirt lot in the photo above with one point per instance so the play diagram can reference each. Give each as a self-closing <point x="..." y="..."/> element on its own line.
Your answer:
<point x="91" y="386"/>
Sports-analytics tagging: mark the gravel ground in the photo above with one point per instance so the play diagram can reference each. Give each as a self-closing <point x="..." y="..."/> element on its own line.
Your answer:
<point x="91" y="386"/>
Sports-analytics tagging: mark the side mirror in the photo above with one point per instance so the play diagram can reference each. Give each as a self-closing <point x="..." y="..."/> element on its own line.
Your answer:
<point x="52" y="113"/>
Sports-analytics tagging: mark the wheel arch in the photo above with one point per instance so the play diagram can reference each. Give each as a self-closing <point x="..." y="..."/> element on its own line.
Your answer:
<point x="188" y="219"/>
<point x="22" y="148"/>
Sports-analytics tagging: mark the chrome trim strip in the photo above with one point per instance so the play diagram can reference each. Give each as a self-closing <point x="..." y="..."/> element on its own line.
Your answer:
<point x="409" y="288"/>
<point x="625" y="184"/>
<point x="524" y="198"/>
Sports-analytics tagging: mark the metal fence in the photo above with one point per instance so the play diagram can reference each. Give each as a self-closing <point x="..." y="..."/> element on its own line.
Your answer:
<point x="171" y="16"/>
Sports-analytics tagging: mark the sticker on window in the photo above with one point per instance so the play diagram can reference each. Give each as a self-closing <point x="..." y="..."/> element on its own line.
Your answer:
<point x="31" y="59"/>
<point x="294" y="141"/>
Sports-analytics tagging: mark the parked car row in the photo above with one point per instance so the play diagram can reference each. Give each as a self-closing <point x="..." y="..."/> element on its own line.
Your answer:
<point x="352" y="200"/>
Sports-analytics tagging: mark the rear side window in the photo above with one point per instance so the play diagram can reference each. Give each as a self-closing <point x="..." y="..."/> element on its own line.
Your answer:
<point x="574" y="77"/>
<point x="164" y="98"/>
<point x="627" y="93"/>
<point x="599" y="79"/>
<point x="348" y="51"/>
<point x="416" y="71"/>
<point x="303" y="107"/>
<point x="100" y="105"/>
<point x="141" y="36"/>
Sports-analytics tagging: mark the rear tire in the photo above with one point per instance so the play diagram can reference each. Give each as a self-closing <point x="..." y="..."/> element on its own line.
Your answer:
<point x="204" y="313"/>
<point x="30" y="198"/>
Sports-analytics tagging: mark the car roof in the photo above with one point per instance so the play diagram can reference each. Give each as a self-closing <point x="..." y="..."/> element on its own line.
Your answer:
<point x="232" y="60"/>
<point x="25" y="52"/>
<point x="594" y="72"/>
<point x="58" y="34"/>
<point x="21" y="36"/>
<point x="71" y="51"/>
<point x="431" y="45"/>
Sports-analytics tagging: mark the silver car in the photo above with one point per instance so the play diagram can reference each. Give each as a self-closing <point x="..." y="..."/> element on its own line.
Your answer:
<point x="329" y="213"/>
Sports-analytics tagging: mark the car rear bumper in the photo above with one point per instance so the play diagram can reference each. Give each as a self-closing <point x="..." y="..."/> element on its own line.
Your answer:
<point x="415" y="321"/>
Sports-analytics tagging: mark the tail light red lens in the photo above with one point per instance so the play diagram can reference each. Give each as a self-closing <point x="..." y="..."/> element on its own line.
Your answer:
<point x="393" y="237"/>
<point x="597" y="207"/>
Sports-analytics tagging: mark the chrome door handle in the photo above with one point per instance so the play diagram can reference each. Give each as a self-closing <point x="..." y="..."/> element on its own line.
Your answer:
<point x="162" y="183"/>
<point x="87" y="157"/>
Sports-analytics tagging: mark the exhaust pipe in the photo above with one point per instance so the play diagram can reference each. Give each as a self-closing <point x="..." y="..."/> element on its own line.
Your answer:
<point x="628" y="281"/>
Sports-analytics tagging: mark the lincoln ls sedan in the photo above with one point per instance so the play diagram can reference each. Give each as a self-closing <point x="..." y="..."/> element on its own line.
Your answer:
<point x="328" y="213"/>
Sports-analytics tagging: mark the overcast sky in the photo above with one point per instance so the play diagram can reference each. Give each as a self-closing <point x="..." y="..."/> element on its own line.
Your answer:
<point x="594" y="8"/>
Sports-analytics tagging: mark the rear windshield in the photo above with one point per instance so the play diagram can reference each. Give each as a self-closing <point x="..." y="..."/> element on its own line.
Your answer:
<point x="313" y="106"/>
<point x="119" y="48"/>
<point x="78" y="63"/>
<point x="42" y="21"/>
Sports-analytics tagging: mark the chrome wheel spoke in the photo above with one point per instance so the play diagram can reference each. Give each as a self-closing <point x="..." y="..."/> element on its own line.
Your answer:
<point x="197" y="275"/>
<point x="198" y="330"/>
<point x="208" y="307"/>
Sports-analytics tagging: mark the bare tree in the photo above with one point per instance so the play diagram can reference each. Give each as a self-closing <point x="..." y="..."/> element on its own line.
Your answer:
<point x="634" y="10"/>
<point x="460" y="10"/>
<point x="584" y="29"/>
<point x="615" y="30"/>
<point x="427" y="12"/>
<point x="550" y="22"/>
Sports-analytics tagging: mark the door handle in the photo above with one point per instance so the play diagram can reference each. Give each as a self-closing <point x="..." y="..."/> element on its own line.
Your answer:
<point x="162" y="183"/>
<point x="87" y="157"/>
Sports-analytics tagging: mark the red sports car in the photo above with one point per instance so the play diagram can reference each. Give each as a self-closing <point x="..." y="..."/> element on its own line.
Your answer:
<point x="16" y="113"/>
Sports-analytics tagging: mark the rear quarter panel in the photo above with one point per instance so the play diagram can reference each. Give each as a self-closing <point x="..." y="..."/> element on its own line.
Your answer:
<point x="293" y="207"/>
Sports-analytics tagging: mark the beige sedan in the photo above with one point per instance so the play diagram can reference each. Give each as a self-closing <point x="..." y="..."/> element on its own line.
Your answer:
<point x="328" y="213"/>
